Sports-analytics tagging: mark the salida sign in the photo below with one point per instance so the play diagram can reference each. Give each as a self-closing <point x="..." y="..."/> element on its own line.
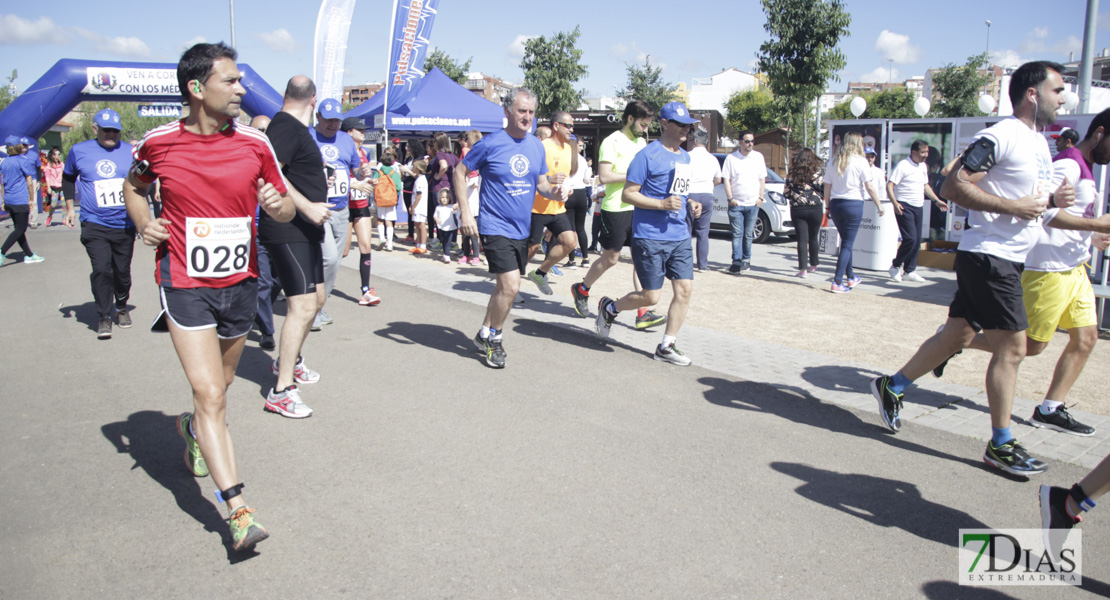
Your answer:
<point x="114" y="81"/>
<point x="991" y="557"/>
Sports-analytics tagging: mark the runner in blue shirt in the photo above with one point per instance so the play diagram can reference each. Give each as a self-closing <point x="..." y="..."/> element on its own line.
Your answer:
<point x="513" y="168"/>
<point x="658" y="185"/>
<point x="16" y="185"/>
<point x="342" y="162"/>
<point x="98" y="168"/>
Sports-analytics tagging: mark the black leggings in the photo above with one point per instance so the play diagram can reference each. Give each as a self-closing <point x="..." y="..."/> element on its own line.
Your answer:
<point x="807" y="224"/>
<point x="20" y="219"/>
<point x="578" y="205"/>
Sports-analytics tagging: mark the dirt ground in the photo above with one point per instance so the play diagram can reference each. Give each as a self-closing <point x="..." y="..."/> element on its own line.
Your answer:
<point x="874" y="330"/>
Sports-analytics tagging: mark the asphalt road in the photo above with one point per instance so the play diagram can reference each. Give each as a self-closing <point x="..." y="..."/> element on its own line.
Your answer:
<point x="583" y="470"/>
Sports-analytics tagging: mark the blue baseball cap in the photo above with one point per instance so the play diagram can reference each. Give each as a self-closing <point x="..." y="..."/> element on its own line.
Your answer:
<point x="26" y="141"/>
<point x="677" y="112"/>
<point x="870" y="150"/>
<point x="12" y="140"/>
<point x="108" y="119"/>
<point x="330" y="109"/>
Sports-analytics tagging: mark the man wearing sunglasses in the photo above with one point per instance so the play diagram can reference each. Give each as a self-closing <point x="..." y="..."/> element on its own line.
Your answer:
<point x="551" y="214"/>
<point x="745" y="173"/>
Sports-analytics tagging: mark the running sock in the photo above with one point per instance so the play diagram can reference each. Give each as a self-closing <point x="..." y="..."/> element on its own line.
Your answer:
<point x="611" y="308"/>
<point x="668" y="340"/>
<point x="389" y="234"/>
<point x="1049" y="406"/>
<point x="899" y="382"/>
<point x="364" y="270"/>
<point x="484" y="334"/>
<point x="381" y="231"/>
<point x="585" y="288"/>
<point x="541" y="272"/>
<point x="494" y="334"/>
<point x="1000" y="436"/>
<point x="641" y="312"/>
<point x="192" y="430"/>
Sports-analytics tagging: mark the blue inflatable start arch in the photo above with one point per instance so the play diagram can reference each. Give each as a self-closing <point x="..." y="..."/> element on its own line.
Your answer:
<point x="71" y="81"/>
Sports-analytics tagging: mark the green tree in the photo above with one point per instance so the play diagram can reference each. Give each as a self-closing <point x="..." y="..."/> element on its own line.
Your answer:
<point x="645" y="82"/>
<point x="896" y="103"/>
<point x="5" y="98"/>
<point x="752" y="109"/>
<point x="802" y="54"/>
<point x="551" y="67"/>
<point x="133" y="126"/>
<point x="445" y="62"/>
<point x="956" y="88"/>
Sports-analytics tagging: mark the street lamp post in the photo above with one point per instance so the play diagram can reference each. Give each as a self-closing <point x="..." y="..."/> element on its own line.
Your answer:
<point x="988" y="36"/>
<point x="890" y="72"/>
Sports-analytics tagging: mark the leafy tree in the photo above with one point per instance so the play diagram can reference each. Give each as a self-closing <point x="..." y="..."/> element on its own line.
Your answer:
<point x="752" y="109"/>
<point x="452" y="68"/>
<point x="956" y="88"/>
<point x="551" y="67"/>
<point x="645" y="82"/>
<point x="5" y="98"/>
<point x="133" y="126"/>
<point x="896" y="103"/>
<point x="802" y="54"/>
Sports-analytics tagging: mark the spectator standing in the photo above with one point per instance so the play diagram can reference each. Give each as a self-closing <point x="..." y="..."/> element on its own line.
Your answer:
<point x="849" y="179"/>
<point x="705" y="174"/>
<point x="907" y="189"/>
<point x="745" y="174"/>
<point x="803" y="191"/>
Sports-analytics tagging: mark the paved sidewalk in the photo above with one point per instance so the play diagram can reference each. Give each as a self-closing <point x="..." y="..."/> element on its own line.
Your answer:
<point x="931" y="403"/>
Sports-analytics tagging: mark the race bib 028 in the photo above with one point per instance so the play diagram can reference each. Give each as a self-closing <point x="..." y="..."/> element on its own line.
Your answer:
<point x="217" y="248"/>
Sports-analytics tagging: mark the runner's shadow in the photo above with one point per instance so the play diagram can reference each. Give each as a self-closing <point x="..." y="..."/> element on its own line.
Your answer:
<point x="254" y="366"/>
<point x="880" y="501"/>
<point x="850" y="379"/>
<point x="532" y="298"/>
<point x="799" y="406"/>
<point x="345" y="296"/>
<point x="83" y="313"/>
<point x="429" y="335"/>
<point x="152" y="440"/>
<point x="568" y="334"/>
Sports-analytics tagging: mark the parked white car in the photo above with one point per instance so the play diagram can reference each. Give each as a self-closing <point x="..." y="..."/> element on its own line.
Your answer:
<point x="774" y="213"/>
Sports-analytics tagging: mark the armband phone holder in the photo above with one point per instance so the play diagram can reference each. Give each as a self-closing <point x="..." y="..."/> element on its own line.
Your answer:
<point x="979" y="156"/>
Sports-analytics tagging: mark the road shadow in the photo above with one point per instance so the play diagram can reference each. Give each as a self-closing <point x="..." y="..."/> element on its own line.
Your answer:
<point x="799" y="406"/>
<point x="528" y="297"/>
<point x="858" y="381"/>
<point x="152" y="441"/>
<point x="429" y="335"/>
<point x="880" y="501"/>
<point x="344" y="296"/>
<point x="82" y="313"/>
<point x="947" y="590"/>
<point x="578" y="337"/>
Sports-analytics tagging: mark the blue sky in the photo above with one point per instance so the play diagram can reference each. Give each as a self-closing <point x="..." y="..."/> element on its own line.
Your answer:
<point x="276" y="36"/>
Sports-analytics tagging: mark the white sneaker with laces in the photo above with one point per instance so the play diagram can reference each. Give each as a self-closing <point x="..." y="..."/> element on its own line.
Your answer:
<point x="895" y="273"/>
<point x="914" y="277"/>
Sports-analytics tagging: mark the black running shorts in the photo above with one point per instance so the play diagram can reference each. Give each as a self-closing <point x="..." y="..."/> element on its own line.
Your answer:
<point x="299" y="266"/>
<point x="556" y="224"/>
<point x="988" y="293"/>
<point x="504" y="254"/>
<point x="230" y="310"/>
<point x="616" y="229"/>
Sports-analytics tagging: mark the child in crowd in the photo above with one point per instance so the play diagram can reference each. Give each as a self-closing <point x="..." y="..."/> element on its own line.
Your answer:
<point x="386" y="193"/>
<point x="447" y="221"/>
<point x="470" y="245"/>
<point x="52" y="168"/>
<point x="418" y="209"/>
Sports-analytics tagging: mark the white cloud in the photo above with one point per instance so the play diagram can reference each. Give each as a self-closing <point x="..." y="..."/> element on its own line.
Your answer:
<point x="1006" y="58"/>
<point x="200" y="39"/>
<point x="880" y="75"/>
<point x="516" y="48"/>
<point x="896" y="46"/>
<point x="16" y="30"/>
<point x="1039" y="32"/>
<point x="278" y="40"/>
<point x="1069" y="44"/>
<point x="127" y="47"/>
<point x="621" y="49"/>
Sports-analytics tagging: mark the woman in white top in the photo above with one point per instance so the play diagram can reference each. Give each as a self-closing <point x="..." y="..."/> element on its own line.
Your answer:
<point x="848" y="182"/>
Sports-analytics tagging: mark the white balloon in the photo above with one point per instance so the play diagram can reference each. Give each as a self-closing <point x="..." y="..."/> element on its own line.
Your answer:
<point x="986" y="104"/>
<point x="1071" y="100"/>
<point x="857" y="106"/>
<point x="921" y="106"/>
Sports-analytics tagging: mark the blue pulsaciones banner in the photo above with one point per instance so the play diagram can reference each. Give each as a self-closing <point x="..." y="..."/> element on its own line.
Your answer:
<point x="412" y="28"/>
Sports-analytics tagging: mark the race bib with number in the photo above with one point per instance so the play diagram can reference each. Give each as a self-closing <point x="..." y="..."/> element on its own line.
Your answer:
<point x="357" y="194"/>
<point x="109" y="192"/>
<point x="681" y="184"/>
<point x="217" y="248"/>
<point x="340" y="185"/>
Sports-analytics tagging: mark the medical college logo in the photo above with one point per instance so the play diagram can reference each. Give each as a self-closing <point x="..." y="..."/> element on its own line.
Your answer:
<point x="518" y="165"/>
<point x="106" y="169"/>
<point x="201" y="229"/>
<point x="331" y="153"/>
<point x="996" y="557"/>
<point x="104" y="82"/>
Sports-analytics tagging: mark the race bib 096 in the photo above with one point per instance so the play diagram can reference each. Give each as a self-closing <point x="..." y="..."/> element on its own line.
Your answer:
<point x="217" y="248"/>
<point x="681" y="184"/>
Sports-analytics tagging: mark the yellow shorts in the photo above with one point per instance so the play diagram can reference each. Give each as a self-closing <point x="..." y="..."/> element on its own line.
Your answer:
<point x="1063" y="299"/>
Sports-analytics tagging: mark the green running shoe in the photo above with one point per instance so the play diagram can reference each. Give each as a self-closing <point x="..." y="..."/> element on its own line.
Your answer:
<point x="245" y="532"/>
<point x="193" y="459"/>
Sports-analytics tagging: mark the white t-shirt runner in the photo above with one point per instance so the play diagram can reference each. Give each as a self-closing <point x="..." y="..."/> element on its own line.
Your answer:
<point x="909" y="179"/>
<point x="1059" y="250"/>
<point x="1023" y="166"/>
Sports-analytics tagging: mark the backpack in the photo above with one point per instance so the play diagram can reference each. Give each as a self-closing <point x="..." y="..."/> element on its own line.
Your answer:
<point x="385" y="190"/>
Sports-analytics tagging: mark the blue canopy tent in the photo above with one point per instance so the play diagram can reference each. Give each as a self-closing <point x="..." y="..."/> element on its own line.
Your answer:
<point x="440" y="104"/>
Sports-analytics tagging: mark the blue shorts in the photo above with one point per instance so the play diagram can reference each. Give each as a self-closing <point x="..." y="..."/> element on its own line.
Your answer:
<point x="658" y="259"/>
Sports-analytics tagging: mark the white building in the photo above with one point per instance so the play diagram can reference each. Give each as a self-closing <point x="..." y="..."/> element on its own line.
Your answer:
<point x="711" y="93"/>
<point x="831" y="99"/>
